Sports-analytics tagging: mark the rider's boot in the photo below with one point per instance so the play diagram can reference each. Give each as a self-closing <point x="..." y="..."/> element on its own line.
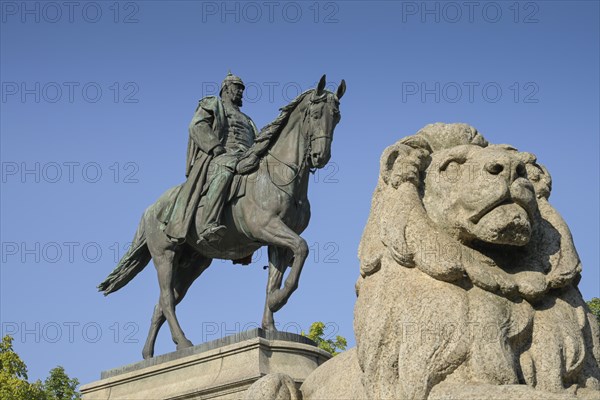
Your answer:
<point x="212" y="206"/>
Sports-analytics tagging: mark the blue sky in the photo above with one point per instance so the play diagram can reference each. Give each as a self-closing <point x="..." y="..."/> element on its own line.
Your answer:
<point x="97" y="96"/>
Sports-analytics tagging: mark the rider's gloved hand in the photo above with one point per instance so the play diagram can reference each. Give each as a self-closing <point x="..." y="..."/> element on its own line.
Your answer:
<point x="247" y="164"/>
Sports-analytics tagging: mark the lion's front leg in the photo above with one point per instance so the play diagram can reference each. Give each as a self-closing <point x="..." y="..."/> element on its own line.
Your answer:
<point x="499" y="329"/>
<point x="408" y="337"/>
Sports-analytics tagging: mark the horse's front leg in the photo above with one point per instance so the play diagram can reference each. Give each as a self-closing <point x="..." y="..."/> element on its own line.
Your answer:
<point x="275" y="232"/>
<point x="279" y="259"/>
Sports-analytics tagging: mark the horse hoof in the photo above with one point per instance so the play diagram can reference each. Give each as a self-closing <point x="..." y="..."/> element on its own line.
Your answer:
<point x="146" y="354"/>
<point x="269" y="328"/>
<point x="184" y="344"/>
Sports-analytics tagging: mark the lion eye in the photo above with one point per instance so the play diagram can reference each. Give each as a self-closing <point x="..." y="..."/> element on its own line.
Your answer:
<point x="521" y="170"/>
<point x="449" y="164"/>
<point x="494" y="168"/>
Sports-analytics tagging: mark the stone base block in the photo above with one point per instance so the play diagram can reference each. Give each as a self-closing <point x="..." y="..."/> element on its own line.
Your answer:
<point x="220" y="369"/>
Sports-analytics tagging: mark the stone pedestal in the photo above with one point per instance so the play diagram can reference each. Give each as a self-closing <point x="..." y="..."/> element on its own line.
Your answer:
<point x="220" y="369"/>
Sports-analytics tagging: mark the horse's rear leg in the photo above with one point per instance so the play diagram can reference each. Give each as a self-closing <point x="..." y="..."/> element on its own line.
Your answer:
<point x="279" y="234"/>
<point x="158" y="319"/>
<point x="165" y="266"/>
<point x="184" y="277"/>
<point x="279" y="259"/>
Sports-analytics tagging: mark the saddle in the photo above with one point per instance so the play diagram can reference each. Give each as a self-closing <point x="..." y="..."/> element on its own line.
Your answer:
<point x="237" y="187"/>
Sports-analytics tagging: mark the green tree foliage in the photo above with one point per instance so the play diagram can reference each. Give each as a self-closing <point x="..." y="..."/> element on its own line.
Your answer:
<point x="316" y="333"/>
<point x="15" y="386"/>
<point x="13" y="376"/>
<point x="594" y="305"/>
<point x="58" y="386"/>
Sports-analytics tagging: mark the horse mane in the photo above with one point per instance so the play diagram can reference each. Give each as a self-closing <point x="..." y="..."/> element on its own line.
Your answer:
<point x="272" y="130"/>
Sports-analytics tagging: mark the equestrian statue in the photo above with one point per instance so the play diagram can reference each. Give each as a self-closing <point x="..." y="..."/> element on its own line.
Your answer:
<point x="244" y="189"/>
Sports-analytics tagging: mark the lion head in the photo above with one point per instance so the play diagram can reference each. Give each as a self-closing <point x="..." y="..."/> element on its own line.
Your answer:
<point x="447" y="189"/>
<point x="480" y="194"/>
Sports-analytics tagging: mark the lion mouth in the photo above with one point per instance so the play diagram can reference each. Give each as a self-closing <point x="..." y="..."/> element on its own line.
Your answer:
<point x="507" y="223"/>
<point x="487" y="209"/>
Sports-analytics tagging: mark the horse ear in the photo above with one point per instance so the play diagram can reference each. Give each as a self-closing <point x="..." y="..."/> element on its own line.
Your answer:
<point x="321" y="85"/>
<point x="341" y="89"/>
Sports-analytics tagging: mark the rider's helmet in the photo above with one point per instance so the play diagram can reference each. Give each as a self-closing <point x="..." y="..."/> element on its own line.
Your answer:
<point x="231" y="79"/>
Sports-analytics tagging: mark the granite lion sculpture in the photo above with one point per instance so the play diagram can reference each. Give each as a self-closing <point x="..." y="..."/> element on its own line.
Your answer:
<point x="468" y="282"/>
<point x="469" y="275"/>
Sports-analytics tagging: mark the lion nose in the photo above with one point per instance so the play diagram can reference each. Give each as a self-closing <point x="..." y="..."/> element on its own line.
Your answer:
<point x="507" y="168"/>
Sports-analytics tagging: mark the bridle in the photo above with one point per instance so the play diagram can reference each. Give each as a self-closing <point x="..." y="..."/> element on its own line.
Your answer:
<point x="308" y="140"/>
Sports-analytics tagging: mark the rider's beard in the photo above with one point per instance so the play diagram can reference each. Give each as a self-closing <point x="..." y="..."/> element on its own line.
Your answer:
<point x="236" y="101"/>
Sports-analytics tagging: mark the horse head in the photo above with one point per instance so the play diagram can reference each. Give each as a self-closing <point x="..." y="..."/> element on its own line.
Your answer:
<point x="321" y="117"/>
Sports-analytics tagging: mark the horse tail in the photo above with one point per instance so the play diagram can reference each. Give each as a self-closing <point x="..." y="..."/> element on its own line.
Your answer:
<point x="136" y="258"/>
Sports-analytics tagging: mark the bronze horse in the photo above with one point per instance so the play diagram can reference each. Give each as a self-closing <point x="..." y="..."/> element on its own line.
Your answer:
<point x="273" y="212"/>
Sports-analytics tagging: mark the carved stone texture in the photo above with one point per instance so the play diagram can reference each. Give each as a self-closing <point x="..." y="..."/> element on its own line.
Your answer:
<point x="468" y="281"/>
<point x="273" y="386"/>
<point x="338" y="378"/>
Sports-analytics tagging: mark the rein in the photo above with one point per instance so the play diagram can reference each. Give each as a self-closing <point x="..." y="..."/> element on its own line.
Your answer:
<point x="309" y="138"/>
